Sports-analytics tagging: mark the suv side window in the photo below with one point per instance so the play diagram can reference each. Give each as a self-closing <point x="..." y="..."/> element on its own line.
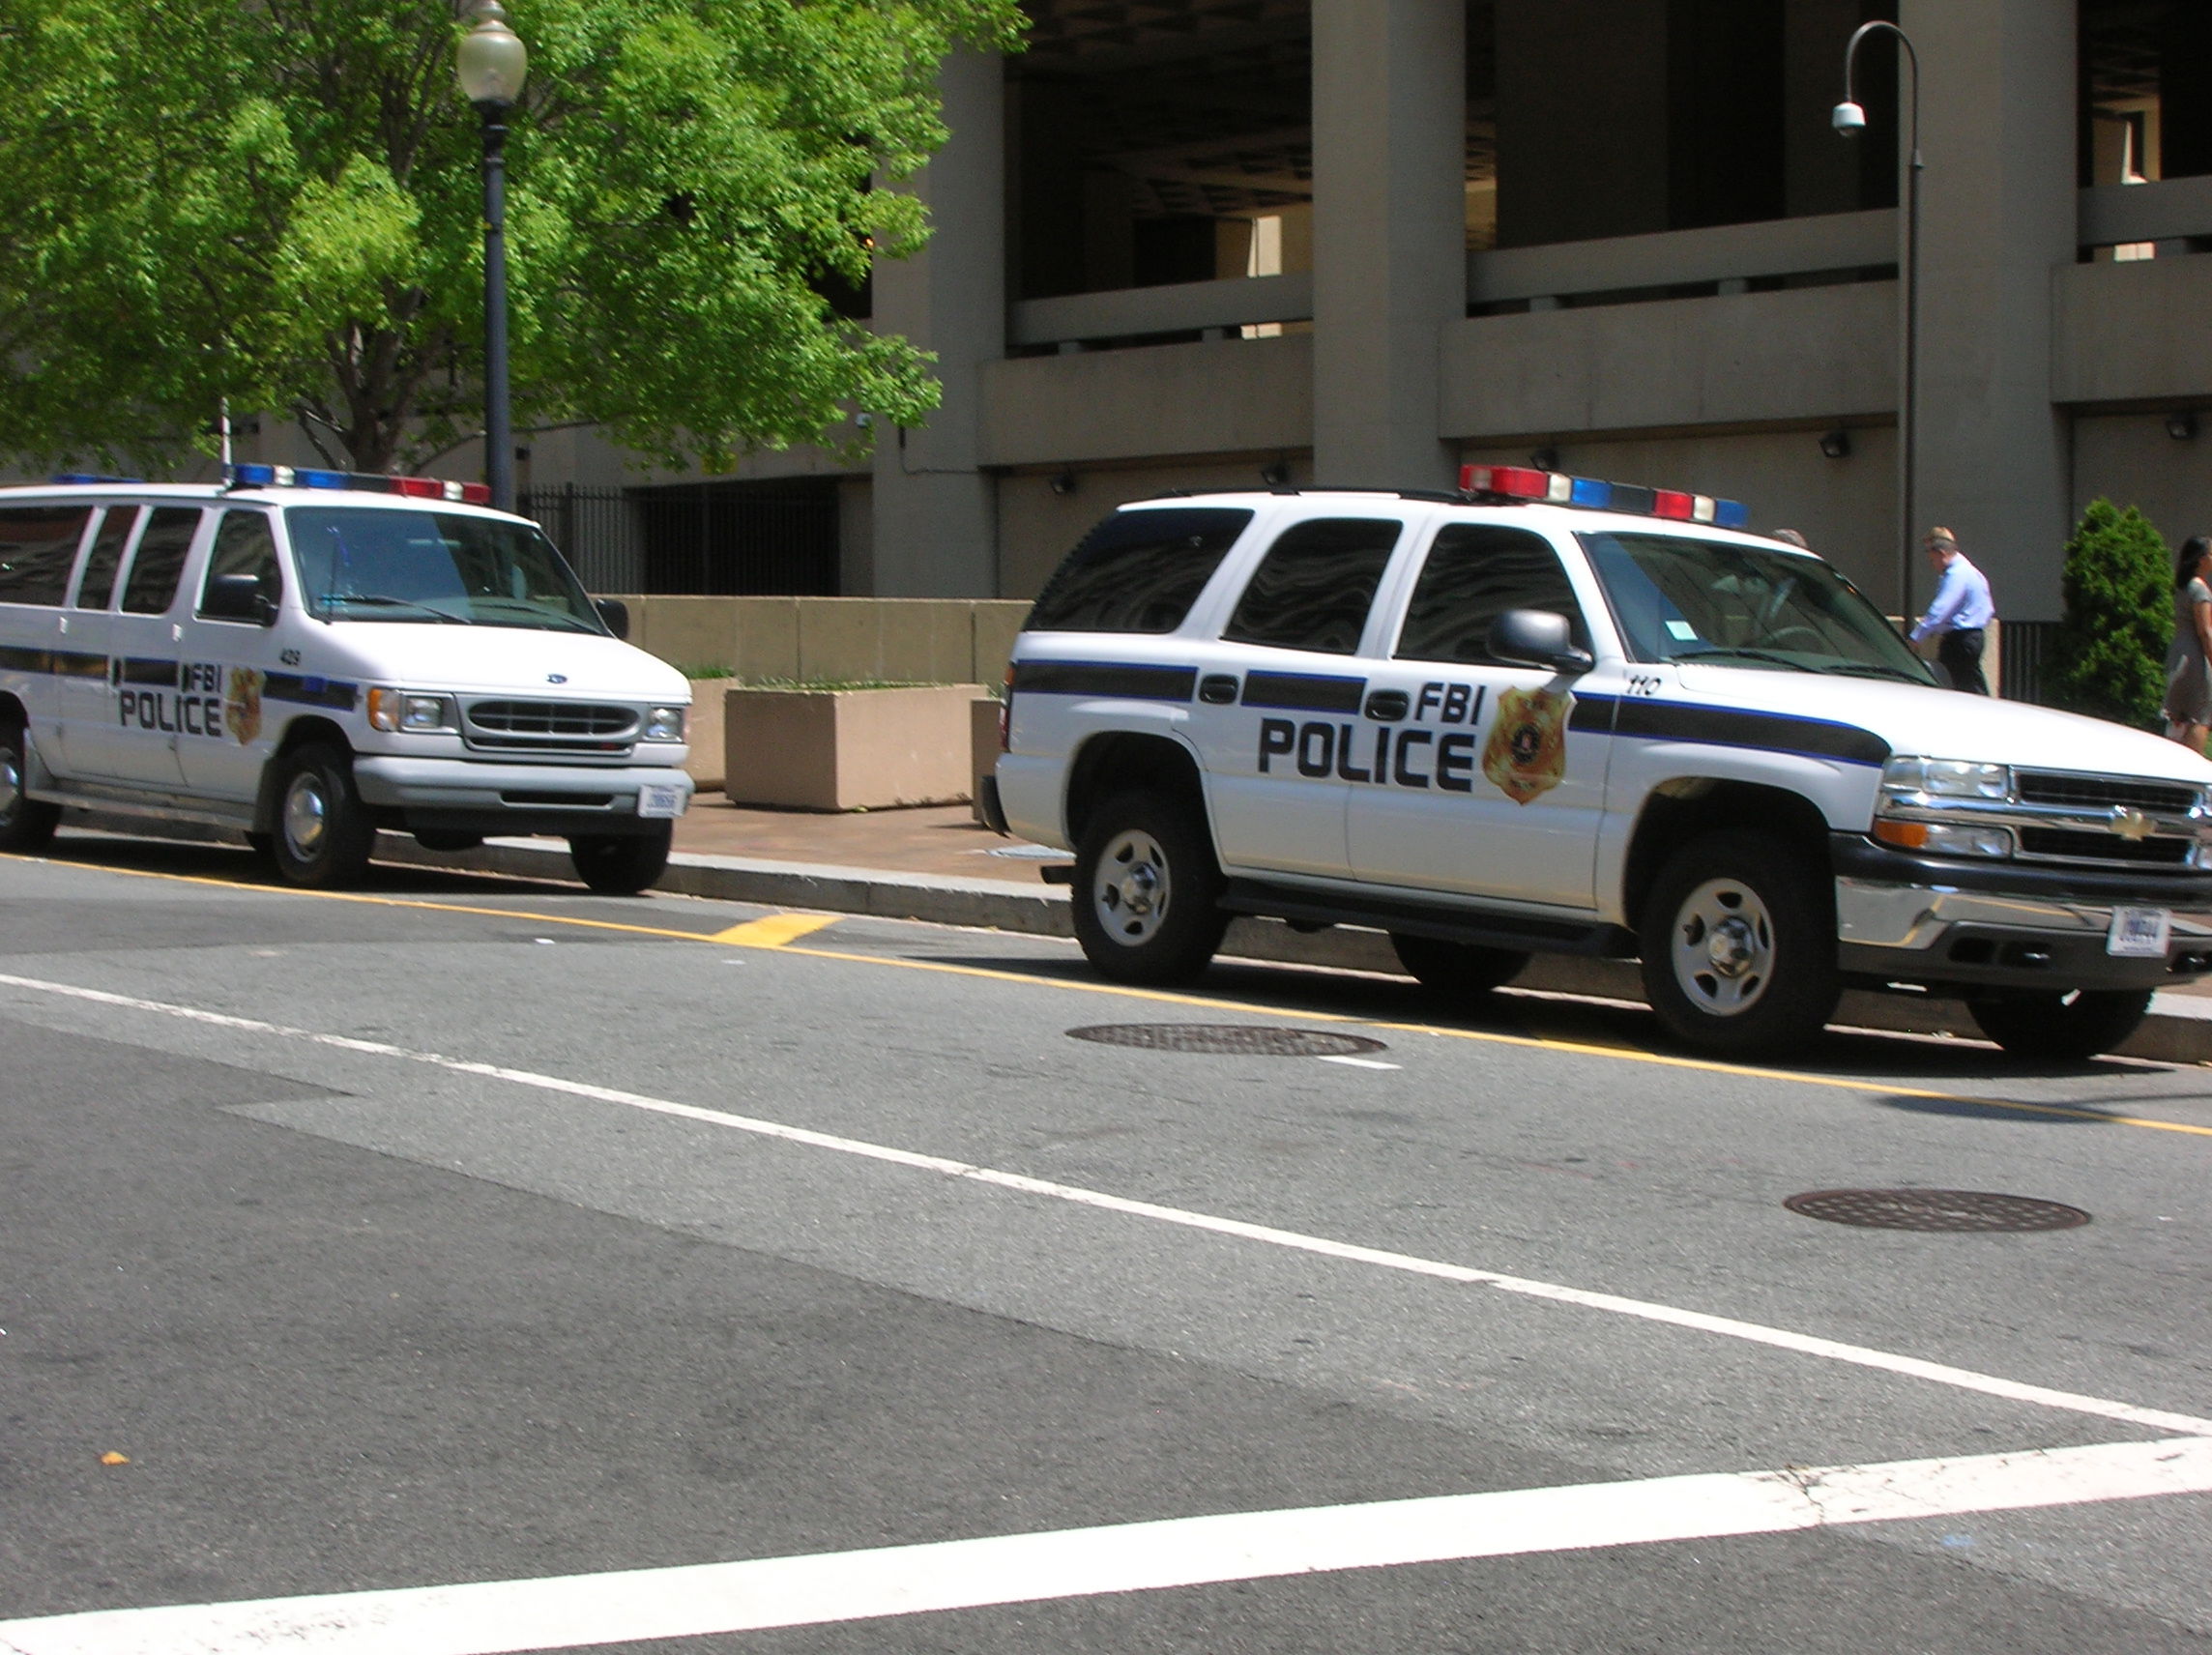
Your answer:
<point x="95" y="587"/>
<point x="245" y="545"/>
<point x="1313" y="589"/>
<point x="161" y="561"/>
<point x="1475" y="572"/>
<point x="38" y="548"/>
<point x="1138" y="571"/>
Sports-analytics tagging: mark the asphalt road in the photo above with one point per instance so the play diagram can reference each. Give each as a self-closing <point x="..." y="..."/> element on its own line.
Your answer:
<point x="464" y="1231"/>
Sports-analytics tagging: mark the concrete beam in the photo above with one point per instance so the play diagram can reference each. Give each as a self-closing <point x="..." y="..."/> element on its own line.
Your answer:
<point x="1241" y="395"/>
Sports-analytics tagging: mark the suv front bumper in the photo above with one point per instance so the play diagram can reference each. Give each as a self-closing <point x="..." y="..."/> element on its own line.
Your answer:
<point x="457" y="796"/>
<point x="1945" y="924"/>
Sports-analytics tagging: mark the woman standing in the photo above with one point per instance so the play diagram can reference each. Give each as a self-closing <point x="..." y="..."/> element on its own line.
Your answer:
<point x="2189" y="662"/>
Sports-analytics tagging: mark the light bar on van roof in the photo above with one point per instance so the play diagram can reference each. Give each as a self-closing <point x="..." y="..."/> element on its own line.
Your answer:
<point x="1527" y="482"/>
<point x="361" y="481"/>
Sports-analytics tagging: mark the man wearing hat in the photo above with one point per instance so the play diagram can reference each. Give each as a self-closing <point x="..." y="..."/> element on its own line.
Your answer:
<point x="1960" y="614"/>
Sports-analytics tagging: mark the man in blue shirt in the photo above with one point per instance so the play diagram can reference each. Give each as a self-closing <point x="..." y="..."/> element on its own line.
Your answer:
<point x="1959" y="615"/>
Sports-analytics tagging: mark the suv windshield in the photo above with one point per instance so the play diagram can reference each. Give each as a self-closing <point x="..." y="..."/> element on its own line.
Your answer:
<point x="1679" y="598"/>
<point x="376" y="564"/>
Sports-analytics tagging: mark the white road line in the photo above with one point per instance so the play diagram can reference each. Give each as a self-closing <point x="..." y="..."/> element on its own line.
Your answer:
<point x="1751" y="1332"/>
<point x="496" y="1617"/>
<point x="1359" y="1062"/>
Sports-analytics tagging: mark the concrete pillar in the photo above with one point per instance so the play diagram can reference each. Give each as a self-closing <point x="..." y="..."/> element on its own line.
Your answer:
<point x="936" y="510"/>
<point x="1389" y="121"/>
<point x="1997" y="216"/>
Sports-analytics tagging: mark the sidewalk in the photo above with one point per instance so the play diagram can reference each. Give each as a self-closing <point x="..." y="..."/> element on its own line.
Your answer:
<point x="939" y="864"/>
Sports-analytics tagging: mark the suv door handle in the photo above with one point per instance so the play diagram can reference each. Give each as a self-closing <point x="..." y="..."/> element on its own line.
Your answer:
<point x="1388" y="705"/>
<point x="1218" y="690"/>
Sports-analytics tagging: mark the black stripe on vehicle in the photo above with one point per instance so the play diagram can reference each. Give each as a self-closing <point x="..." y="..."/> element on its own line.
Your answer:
<point x="1303" y="692"/>
<point x="1126" y="679"/>
<point x="17" y="659"/>
<point x="140" y="670"/>
<point x="75" y="663"/>
<point x="1593" y="712"/>
<point x="309" y="692"/>
<point x="1737" y="727"/>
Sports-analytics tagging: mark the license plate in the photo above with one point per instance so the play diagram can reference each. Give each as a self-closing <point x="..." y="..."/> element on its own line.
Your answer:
<point x="661" y="799"/>
<point x="2139" y="932"/>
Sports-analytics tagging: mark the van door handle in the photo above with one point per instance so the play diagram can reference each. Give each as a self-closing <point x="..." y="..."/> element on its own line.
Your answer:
<point x="1218" y="690"/>
<point x="1388" y="705"/>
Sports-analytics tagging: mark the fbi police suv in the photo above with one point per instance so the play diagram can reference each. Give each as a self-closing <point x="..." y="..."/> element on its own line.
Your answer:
<point x="311" y="655"/>
<point x="1551" y="713"/>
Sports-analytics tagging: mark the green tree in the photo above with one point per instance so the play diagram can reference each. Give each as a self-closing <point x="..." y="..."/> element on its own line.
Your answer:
<point x="2110" y="655"/>
<point x="277" y="202"/>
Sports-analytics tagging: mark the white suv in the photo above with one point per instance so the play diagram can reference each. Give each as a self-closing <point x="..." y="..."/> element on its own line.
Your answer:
<point x="1550" y="713"/>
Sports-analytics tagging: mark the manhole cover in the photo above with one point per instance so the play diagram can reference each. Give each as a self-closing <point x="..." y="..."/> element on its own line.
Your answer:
<point x="1227" y="1039"/>
<point x="1935" y="1210"/>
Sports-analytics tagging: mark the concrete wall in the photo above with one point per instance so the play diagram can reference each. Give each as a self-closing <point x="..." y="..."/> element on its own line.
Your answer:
<point x="1236" y="396"/>
<point x="2130" y="461"/>
<point x="846" y="639"/>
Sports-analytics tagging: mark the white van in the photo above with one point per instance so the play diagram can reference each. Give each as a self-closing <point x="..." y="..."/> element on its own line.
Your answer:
<point x="310" y="656"/>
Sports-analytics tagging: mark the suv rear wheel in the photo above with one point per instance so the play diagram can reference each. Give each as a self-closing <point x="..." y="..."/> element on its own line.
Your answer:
<point x="1456" y="970"/>
<point x="27" y="824"/>
<point x="1740" y="953"/>
<point x="2056" y="1027"/>
<point x="1147" y="890"/>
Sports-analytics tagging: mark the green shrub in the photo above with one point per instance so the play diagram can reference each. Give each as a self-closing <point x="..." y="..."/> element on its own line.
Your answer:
<point x="2110" y="662"/>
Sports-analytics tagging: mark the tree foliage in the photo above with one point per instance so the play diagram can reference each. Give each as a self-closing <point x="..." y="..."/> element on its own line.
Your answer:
<point x="2118" y="581"/>
<point x="277" y="202"/>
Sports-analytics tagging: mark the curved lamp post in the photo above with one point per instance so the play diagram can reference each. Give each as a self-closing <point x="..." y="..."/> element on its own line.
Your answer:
<point x="1850" y="120"/>
<point x="490" y="64"/>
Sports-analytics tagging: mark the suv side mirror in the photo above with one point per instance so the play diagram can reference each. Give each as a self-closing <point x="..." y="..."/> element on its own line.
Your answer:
<point x="615" y="613"/>
<point x="237" y="597"/>
<point x="1538" y="638"/>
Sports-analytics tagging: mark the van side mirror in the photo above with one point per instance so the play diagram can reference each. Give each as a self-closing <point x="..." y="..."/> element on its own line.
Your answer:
<point x="1538" y="638"/>
<point x="615" y="613"/>
<point x="238" y="597"/>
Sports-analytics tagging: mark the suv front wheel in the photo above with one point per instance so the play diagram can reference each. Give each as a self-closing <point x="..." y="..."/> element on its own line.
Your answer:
<point x="1739" y="952"/>
<point x="1147" y="891"/>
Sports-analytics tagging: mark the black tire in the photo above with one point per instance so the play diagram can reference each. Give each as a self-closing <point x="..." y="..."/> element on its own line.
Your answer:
<point x="438" y="839"/>
<point x="1739" y="946"/>
<point x="1455" y="971"/>
<point x="323" y="833"/>
<point x="262" y="845"/>
<point x="1147" y="891"/>
<point x="622" y="864"/>
<point x="2059" y="1028"/>
<point x="26" y="824"/>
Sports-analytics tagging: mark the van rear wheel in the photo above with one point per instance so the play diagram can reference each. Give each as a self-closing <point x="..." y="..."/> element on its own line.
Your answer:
<point x="27" y="824"/>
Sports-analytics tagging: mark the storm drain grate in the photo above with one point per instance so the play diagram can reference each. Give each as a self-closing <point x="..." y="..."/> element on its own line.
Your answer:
<point x="1944" y="1210"/>
<point x="1227" y="1039"/>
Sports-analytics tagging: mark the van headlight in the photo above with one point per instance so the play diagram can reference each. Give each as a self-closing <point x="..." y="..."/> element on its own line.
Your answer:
<point x="408" y="709"/>
<point x="664" y="724"/>
<point x="1946" y="778"/>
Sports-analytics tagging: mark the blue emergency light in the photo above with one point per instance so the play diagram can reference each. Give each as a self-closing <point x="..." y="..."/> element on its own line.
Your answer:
<point x="1527" y="483"/>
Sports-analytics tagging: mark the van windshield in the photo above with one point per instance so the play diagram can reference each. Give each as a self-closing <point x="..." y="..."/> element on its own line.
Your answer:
<point x="1719" y="603"/>
<point x="433" y="567"/>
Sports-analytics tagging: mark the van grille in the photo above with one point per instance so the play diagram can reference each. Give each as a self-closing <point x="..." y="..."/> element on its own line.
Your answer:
<point x="2102" y="793"/>
<point x="589" y="727"/>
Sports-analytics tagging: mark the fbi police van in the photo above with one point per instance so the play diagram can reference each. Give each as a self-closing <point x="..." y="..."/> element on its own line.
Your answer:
<point x="1551" y="713"/>
<point x="310" y="656"/>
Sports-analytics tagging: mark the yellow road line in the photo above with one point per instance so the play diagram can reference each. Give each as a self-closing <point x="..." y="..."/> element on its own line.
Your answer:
<point x="763" y="933"/>
<point x="774" y="931"/>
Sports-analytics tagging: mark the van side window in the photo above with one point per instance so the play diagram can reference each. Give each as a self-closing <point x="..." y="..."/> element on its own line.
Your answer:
<point x="1138" y="571"/>
<point x="1313" y="589"/>
<point x="95" y="587"/>
<point x="245" y="545"/>
<point x="161" y="561"/>
<point x="37" y="547"/>
<point x="1475" y="574"/>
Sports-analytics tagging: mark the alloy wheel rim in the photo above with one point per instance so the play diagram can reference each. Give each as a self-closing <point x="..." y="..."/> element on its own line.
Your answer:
<point x="1131" y="888"/>
<point x="1724" y="947"/>
<point x="306" y="817"/>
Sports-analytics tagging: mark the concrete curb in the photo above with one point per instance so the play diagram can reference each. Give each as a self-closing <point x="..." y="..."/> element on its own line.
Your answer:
<point x="2173" y="1032"/>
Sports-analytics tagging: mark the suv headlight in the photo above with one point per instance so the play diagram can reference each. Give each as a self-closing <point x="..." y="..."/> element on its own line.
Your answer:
<point x="406" y="710"/>
<point x="664" y="724"/>
<point x="1946" y="778"/>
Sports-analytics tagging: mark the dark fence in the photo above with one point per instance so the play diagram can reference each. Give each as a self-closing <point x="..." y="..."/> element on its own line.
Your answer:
<point x="2026" y="650"/>
<point x="726" y="538"/>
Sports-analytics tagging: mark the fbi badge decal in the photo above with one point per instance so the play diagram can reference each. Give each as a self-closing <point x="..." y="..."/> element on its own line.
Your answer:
<point x="1527" y="753"/>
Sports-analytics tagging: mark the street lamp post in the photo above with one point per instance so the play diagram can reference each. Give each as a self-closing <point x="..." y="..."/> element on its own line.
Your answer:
<point x="490" y="64"/>
<point x="1850" y="120"/>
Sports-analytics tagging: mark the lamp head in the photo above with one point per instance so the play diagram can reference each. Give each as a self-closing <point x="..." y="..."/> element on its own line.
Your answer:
<point x="490" y="61"/>
<point x="1848" y="119"/>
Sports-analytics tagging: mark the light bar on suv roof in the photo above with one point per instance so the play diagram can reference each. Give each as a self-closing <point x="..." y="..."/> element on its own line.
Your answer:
<point x="1527" y="483"/>
<point x="361" y="481"/>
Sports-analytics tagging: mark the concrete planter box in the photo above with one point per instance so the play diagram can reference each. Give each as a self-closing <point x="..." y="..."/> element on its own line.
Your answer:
<point x="705" y="729"/>
<point x="848" y="749"/>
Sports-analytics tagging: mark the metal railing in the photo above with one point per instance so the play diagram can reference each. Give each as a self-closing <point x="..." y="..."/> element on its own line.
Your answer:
<point x="721" y="538"/>
<point x="596" y="530"/>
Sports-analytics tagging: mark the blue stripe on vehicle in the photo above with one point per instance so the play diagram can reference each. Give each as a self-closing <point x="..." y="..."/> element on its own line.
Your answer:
<point x="1731" y="727"/>
<point x="1130" y="680"/>
<point x="1303" y="692"/>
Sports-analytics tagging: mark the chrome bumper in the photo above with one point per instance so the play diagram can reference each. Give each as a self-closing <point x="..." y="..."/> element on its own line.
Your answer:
<point x="452" y="792"/>
<point x="1936" y="935"/>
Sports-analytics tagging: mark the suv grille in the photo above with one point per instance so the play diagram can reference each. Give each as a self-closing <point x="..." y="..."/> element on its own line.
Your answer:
<point x="2088" y="845"/>
<point x="551" y="726"/>
<point x="2102" y="793"/>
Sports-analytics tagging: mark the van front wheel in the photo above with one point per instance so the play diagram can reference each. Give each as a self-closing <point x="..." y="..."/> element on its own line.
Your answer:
<point x="323" y="831"/>
<point x="622" y="864"/>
